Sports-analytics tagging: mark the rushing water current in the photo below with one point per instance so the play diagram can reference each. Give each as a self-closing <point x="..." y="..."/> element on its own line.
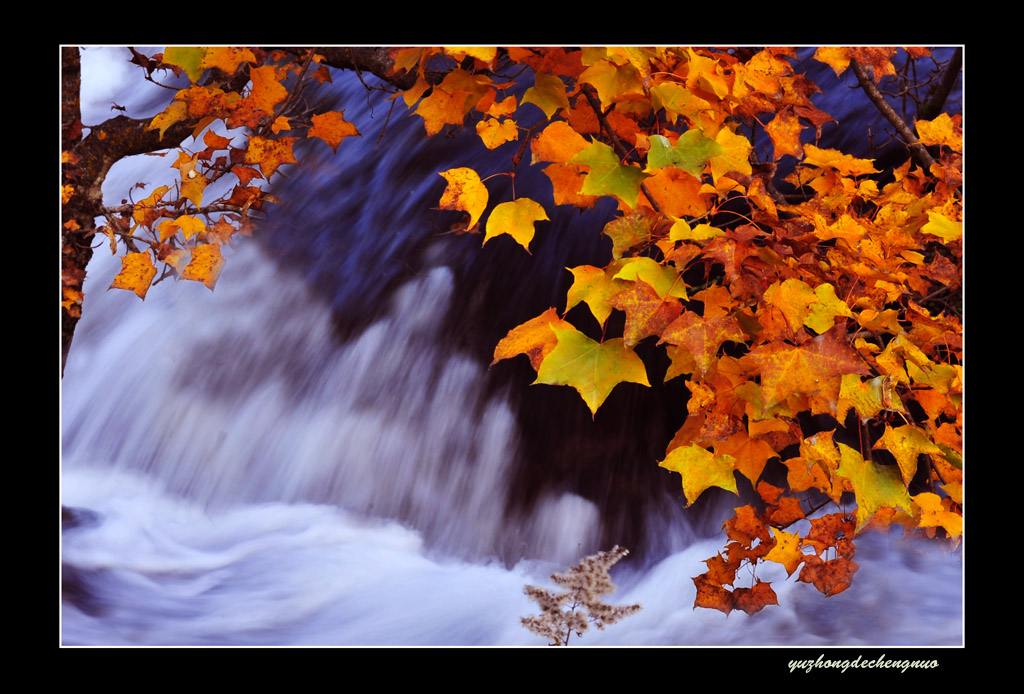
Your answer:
<point x="318" y="454"/>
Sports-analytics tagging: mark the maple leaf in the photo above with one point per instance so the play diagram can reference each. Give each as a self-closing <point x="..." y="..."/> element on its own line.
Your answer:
<point x="595" y="287"/>
<point x="193" y="183"/>
<point x="332" y="128"/>
<point x="607" y="176"/>
<point x="175" y="112"/>
<point x="464" y="192"/>
<point x="816" y="308"/>
<point x="484" y="53"/>
<point x="270" y="154"/>
<point x="205" y="265"/>
<point x="505" y="107"/>
<point x="677" y="192"/>
<point x="214" y="142"/>
<point x="814" y="369"/>
<point x="690" y="152"/>
<point x="906" y="443"/>
<point x="944" y="130"/>
<point x="830" y="577"/>
<point x="559" y="143"/>
<point x="547" y="94"/>
<point x="876" y="486"/>
<point x="712" y="595"/>
<point x="700" y="469"/>
<point x="188" y="59"/>
<point x="828" y="531"/>
<point x="946" y="229"/>
<point x="177" y="258"/>
<point x="494" y="133"/>
<point x="534" y="338"/>
<point x="227" y="59"/>
<point x="137" y="273"/>
<point x="677" y="101"/>
<point x="754" y="599"/>
<point x="612" y="81"/>
<point x="592" y="368"/>
<point x="187" y="224"/>
<point x="784" y="129"/>
<point x="935" y="513"/>
<point x="836" y="160"/>
<point x="515" y="219"/>
<point x="816" y="467"/>
<point x="450" y="101"/>
<point x="681" y="231"/>
<point x="702" y="337"/>
<point x="647" y="313"/>
<point x="786" y="550"/>
<point x="735" y="155"/>
<point x="245" y="174"/>
<point x="266" y="93"/>
<point x="664" y="279"/>
<point x="566" y="181"/>
<point x="867" y="397"/>
<point x="630" y="231"/>
<point x="146" y="212"/>
<point x="751" y="454"/>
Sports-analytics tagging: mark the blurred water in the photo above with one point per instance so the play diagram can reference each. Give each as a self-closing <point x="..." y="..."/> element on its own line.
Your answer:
<point x="316" y="454"/>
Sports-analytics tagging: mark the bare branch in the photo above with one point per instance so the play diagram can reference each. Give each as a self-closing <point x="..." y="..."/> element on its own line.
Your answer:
<point x="868" y="85"/>
<point x="595" y="104"/>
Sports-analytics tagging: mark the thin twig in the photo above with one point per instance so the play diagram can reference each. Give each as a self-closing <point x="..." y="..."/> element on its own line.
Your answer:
<point x="868" y="85"/>
<point x="595" y="104"/>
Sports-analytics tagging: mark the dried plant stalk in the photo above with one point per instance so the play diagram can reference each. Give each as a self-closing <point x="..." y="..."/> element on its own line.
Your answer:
<point x="579" y="605"/>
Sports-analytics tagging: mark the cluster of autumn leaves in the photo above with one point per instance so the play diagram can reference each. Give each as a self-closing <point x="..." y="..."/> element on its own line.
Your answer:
<point x="181" y="228"/>
<point x="815" y="304"/>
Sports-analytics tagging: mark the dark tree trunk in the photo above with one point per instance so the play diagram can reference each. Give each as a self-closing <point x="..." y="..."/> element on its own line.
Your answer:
<point x="79" y="210"/>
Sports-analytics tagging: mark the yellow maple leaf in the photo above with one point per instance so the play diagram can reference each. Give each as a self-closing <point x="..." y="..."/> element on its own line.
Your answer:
<point x="227" y="59"/>
<point x="205" y="266"/>
<point x="137" y="273"/>
<point x="735" y="156"/>
<point x="495" y="133"/>
<point x="175" y="112"/>
<point x="515" y="219"/>
<point x="701" y="469"/>
<point x="592" y="368"/>
<point x="786" y="550"/>
<point x="944" y="130"/>
<point x="465" y="192"/>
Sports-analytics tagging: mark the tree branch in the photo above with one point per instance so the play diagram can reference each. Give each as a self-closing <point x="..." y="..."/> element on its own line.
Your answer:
<point x="868" y="85"/>
<point x="940" y="92"/>
<point x="595" y="104"/>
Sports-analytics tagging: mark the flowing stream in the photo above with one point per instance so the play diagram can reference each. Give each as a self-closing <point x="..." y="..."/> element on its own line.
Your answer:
<point x="318" y="454"/>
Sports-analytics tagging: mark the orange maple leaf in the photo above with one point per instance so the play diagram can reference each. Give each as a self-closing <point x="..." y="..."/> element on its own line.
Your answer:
<point x="332" y="128"/>
<point x="205" y="266"/>
<point x="830" y="577"/>
<point x="137" y="273"/>
<point x="646" y="312"/>
<point x="815" y="369"/>
<point x="534" y="338"/>
<point x="270" y="154"/>
<point x="754" y="599"/>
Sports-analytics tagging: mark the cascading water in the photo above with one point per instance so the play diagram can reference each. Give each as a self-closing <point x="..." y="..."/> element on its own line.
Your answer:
<point x="316" y="453"/>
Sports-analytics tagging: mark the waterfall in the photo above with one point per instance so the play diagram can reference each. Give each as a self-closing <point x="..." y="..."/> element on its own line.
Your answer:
<point x="317" y="453"/>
